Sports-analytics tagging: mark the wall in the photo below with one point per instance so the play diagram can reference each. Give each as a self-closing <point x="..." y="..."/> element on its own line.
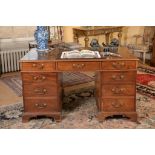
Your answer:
<point x="10" y="34"/>
<point x="13" y="32"/>
<point x="16" y="37"/>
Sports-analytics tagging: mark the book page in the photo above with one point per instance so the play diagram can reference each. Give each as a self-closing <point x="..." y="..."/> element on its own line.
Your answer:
<point x="73" y="54"/>
<point x="87" y="54"/>
<point x="80" y="54"/>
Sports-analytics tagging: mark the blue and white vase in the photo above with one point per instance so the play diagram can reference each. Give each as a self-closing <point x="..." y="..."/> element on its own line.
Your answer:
<point x="41" y="37"/>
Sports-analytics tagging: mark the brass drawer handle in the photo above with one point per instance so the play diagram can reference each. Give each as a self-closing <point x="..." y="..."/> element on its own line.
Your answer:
<point x="41" y="106"/>
<point x="117" y="104"/>
<point x="122" y="64"/>
<point x="118" y="90"/>
<point x="114" y="64"/>
<point x="35" y="78"/>
<point x="79" y="66"/>
<point x="45" y="90"/>
<point x="40" y="78"/>
<point x="41" y="66"/>
<point x="119" y="77"/>
<point x="118" y="64"/>
<point x="34" y="65"/>
<point x="43" y="78"/>
<point x="74" y="65"/>
<point x="40" y="91"/>
<point x="82" y="65"/>
<point x="114" y="77"/>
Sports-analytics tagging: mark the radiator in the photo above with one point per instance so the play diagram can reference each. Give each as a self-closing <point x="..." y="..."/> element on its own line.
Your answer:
<point x="10" y="60"/>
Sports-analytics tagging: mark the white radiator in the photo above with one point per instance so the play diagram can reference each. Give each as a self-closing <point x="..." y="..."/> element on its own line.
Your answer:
<point x="10" y="60"/>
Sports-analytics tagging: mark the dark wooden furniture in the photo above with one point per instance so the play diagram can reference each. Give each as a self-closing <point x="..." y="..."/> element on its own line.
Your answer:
<point x="51" y="44"/>
<point x="0" y="67"/>
<point x="115" y="84"/>
<point x="97" y="30"/>
<point x="153" y="52"/>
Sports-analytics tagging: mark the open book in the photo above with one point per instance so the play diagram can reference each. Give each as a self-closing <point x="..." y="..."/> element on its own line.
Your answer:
<point x="80" y="54"/>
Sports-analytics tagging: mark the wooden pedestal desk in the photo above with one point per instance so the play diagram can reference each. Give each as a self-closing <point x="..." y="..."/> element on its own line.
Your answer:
<point x="115" y="83"/>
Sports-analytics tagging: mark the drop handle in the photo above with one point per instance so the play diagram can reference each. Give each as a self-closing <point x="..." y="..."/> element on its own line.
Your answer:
<point x="118" y="64"/>
<point x="41" y="66"/>
<point x="122" y="90"/>
<point x="44" y="90"/>
<point x="35" y="78"/>
<point x="40" y="91"/>
<point x="122" y="63"/>
<point x="114" y="77"/>
<point x="119" y="77"/>
<point x="43" y="77"/>
<point x="78" y="66"/>
<point x="118" y="90"/>
<point x="41" y="106"/>
<point x="114" y="64"/>
<point x="74" y="65"/>
<point x="117" y="104"/>
<point x="34" y="65"/>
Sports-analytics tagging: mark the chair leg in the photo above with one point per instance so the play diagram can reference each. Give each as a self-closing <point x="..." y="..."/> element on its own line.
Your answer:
<point x="144" y="56"/>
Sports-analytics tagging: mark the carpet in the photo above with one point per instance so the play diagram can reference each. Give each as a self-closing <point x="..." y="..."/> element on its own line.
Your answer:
<point x="69" y="79"/>
<point x="146" y="81"/>
<point x="79" y="112"/>
<point x="75" y="78"/>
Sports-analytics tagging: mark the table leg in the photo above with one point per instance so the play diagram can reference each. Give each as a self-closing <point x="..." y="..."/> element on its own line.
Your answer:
<point x="111" y="36"/>
<point x="107" y="38"/>
<point x="144" y="56"/>
<point x="76" y="39"/>
<point x="119" y="37"/>
<point x="86" y="39"/>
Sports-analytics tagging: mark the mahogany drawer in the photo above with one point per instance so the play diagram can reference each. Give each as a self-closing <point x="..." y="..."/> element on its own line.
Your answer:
<point x="118" y="76"/>
<point x="41" y="105"/>
<point x="40" y="90"/>
<point x="34" y="77"/>
<point x="119" y="65"/>
<point x="82" y="66"/>
<point x="118" y="90"/>
<point x="118" y="104"/>
<point x="37" y="66"/>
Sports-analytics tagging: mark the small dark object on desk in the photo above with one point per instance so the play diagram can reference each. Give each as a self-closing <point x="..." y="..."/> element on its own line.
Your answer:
<point x="114" y="42"/>
<point x="111" y="54"/>
<point x="112" y="47"/>
<point x="95" y="45"/>
<point x="106" y="49"/>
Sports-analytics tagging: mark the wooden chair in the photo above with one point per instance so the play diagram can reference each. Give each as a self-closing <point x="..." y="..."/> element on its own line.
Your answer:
<point x="140" y="48"/>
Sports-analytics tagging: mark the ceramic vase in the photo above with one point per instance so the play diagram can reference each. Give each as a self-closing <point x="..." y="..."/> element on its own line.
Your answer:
<point x="41" y="37"/>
